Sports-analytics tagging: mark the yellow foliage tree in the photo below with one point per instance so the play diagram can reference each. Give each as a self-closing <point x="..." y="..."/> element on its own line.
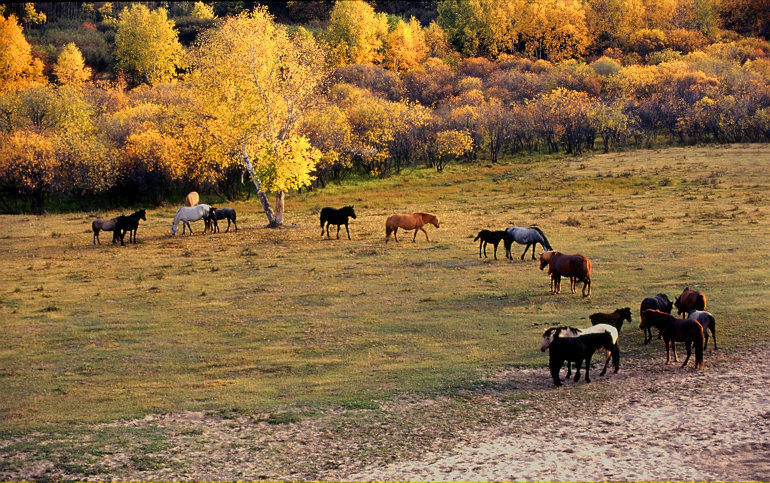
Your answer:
<point x="28" y="164"/>
<point x="405" y="46"/>
<point x="477" y="27"/>
<point x="201" y="10"/>
<point x="18" y="69"/>
<point x="32" y="16"/>
<point x="356" y="33"/>
<point x="252" y="85"/>
<point x="70" y="67"/>
<point x="555" y="30"/>
<point x="450" y="144"/>
<point x="146" y="44"/>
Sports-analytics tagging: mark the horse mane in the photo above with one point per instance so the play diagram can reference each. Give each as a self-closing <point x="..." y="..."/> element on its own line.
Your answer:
<point x="547" y="244"/>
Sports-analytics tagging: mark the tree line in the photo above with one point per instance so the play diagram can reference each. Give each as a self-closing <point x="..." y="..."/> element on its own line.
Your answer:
<point x="245" y="100"/>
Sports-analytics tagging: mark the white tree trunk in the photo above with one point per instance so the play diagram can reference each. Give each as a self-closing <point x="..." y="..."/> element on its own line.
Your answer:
<point x="272" y="220"/>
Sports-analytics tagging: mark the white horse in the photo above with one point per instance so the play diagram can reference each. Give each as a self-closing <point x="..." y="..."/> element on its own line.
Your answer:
<point x="186" y="214"/>
<point x="554" y="332"/>
<point x="530" y="236"/>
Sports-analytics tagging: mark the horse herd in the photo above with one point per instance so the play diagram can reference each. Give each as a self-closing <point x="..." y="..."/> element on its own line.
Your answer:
<point x="565" y="344"/>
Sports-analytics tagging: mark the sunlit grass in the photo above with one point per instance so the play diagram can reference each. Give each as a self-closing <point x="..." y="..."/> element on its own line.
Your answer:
<point x="265" y="320"/>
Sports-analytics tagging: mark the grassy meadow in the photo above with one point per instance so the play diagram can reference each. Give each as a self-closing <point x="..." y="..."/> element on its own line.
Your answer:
<point x="268" y="320"/>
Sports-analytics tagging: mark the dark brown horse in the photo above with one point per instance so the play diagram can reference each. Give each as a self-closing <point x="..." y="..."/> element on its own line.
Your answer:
<point x="658" y="302"/>
<point x="690" y="300"/>
<point x="676" y="330"/>
<point x="415" y="222"/>
<point x="576" y="267"/>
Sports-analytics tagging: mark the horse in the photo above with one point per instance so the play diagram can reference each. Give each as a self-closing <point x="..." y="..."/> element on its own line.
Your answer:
<point x="706" y="320"/>
<point x="690" y="300"/>
<point x="576" y="267"/>
<point x="415" y="222"/>
<point x="128" y="224"/>
<point x="555" y="332"/>
<point x="186" y="214"/>
<point x="332" y="216"/>
<point x="220" y="214"/>
<point x="675" y="330"/>
<point x="529" y="236"/>
<point x="494" y="237"/>
<point x="658" y="302"/>
<point x="191" y="199"/>
<point x="614" y="319"/>
<point x="577" y="349"/>
<point x="100" y="224"/>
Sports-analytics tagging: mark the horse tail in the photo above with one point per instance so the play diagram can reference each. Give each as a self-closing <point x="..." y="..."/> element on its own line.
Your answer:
<point x="699" y="347"/>
<point x="322" y="218"/>
<point x="94" y="227"/>
<point x="477" y="236"/>
<point x="388" y="229"/>
<point x="545" y="240"/>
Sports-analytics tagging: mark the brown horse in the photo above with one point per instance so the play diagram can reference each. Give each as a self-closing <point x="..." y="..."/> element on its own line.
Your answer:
<point x="690" y="300"/>
<point x="576" y="267"/>
<point x="676" y="330"/>
<point x="191" y="199"/>
<point x="415" y="221"/>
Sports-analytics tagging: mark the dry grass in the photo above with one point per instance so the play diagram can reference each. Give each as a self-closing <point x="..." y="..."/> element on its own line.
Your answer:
<point x="273" y="320"/>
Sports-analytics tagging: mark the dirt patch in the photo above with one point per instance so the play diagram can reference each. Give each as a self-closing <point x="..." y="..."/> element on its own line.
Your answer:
<point x="648" y="422"/>
<point x="654" y="423"/>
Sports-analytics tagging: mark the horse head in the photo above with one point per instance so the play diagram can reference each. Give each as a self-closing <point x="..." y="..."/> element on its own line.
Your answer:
<point x="174" y="228"/>
<point x="625" y="314"/>
<point x="142" y="215"/>
<point x="545" y="258"/>
<point x="350" y="211"/>
<point x="429" y="218"/>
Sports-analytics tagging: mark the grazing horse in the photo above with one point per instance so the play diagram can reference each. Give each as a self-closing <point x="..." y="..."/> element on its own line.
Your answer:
<point x="128" y="224"/>
<point x="614" y="319"/>
<point x="576" y="267"/>
<point x="493" y="237"/>
<point x="690" y="300"/>
<point x="658" y="302"/>
<point x="578" y="349"/>
<point x="186" y="214"/>
<point x="100" y="224"/>
<point x="530" y="236"/>
<point x="332" y="216"/>
<point x="415" y="222"/>
<point x="555" y="332"/>
<point x="191" y="199"/>
<point x="675" y="330"/>
<point x="706" y="320"/>
<point x="220" y="214"/>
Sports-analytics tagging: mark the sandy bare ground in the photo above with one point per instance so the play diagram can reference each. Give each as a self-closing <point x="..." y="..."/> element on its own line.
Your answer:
<point x="648" y="422"/>
<point x="660" y="423"/>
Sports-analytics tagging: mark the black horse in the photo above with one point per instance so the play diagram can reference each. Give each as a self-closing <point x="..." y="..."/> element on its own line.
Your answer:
<point x="658" y="302"/>
<point x="128" y="224"/>
<point x="493" y="237"/>
<point x="577" y="350"/>
<point x="333" y="216"/>
<point x="220" y="214"/>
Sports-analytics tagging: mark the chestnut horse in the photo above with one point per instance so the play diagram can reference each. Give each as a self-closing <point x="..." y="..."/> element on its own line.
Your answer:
<point x="191" y="199"/>
<point x="690" y="300"/>
<point x="415" y="221"/>
<point x="576" y="267"/>
<point x="676" y="330"/>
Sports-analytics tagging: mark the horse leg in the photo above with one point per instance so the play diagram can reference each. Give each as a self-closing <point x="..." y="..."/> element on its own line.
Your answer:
<point x="533" y="250"/>
<point x="578" y="364"/>
<point x="423" y="230"/>
<point x="673" y="349"/>
<point x="395" y="234"/>
<point x="713" y="336"/>
<point x="668" y="359"/>
<point x="588" y="367"/>
<point x="525" y="251"/>
<point x="687" y="346"/>
<point x="569" y="369"/>
<point x="555" y="366"/>
<point x="481" y="242"/>
<point x="496" y="249"/>
<point x="338" y="232"/>
<point x="485" y="247"/>
<point x="607" y="357"/>
<point x="347" y="230"/>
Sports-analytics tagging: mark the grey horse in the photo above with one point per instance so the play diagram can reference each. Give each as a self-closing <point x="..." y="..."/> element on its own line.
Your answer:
<point x="529" y="236"/>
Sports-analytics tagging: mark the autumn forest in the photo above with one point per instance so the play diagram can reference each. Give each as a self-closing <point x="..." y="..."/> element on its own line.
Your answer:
<point x="114" y="104"/>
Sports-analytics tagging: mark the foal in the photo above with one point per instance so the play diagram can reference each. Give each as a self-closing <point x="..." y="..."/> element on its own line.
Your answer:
<point x="493" y="237"/>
